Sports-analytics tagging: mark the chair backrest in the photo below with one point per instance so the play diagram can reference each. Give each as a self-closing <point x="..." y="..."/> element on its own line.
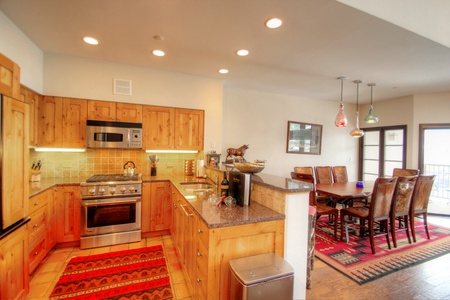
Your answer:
<point x="422" y="191"/>
<point x="381" y="200"/>
<point x="405" y="172"/>
<point x="403" y="195"/>
<point x="304" y="170"/>
<point x="324" y="175"/>
<point x="310" y="179"/>
<point x="339" y="174"/>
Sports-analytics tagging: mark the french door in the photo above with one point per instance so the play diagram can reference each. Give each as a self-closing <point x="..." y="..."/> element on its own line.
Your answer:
<point x="381" y="149"/>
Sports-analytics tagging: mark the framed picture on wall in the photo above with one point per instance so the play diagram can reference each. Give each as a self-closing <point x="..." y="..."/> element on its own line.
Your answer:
<point x="303" y="138"/>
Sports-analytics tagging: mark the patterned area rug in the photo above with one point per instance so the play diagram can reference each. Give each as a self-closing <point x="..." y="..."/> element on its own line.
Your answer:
<point x="355" y="258"/>
<point x="130" y="274"/>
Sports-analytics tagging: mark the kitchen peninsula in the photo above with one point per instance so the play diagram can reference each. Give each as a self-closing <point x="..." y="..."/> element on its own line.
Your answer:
<point x="210" y="236"/>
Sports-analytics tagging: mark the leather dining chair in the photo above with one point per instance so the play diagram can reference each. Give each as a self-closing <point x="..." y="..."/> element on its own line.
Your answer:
<point x="404" y="172"/>
<point x="321" y="209"/>
<point x="339" y="174"/>
<point x="377" y="212"/>
<point x="419" y="203"/>
<point x="304" y="170"/>
<point x="400" y="206"/>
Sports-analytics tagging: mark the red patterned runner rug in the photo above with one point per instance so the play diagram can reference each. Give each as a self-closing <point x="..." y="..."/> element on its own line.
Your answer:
<point x="355" y="258"/>
<point x="129" y="274"/>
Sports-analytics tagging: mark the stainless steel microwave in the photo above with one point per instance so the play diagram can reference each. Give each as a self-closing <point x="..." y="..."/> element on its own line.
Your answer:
<point x="121" y="135"/>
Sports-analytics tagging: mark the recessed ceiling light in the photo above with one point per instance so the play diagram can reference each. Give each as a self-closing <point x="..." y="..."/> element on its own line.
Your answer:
<point x="242" y="52"/>
<point x="223" y="71"/>
<point x="158" y="53"/>
<point x="90" y="40"/>
<point x="273" y="23"/>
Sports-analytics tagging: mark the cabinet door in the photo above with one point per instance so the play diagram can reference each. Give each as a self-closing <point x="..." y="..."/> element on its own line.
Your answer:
<point x="146" y="194"/>
<point x="68" y="212"/>
<point x="14" y="274"/>
<point x="15" y="168"/>
<point x="177" y="215"/>
<point x="50" y="234"/>
<point x="74" y="116"/>
<point x="158" y="127"/>
<point x="32" y="99"/>
<point x="129" y="112"/>
<point x="50" y="122"/>
<point x="189" y="129"/>
<point x="101" y="110"/>
<point x="161" y="206"/>
<point x="9" y="77"/>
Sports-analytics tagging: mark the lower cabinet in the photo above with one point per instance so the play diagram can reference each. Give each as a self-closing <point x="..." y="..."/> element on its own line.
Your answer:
<point x="206" y="252"/>
<point x="68" y="209"/>
<point x="14" y="274"/>
<point x="156" y="206"/>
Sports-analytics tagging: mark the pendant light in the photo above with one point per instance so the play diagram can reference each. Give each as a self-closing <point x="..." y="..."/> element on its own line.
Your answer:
<point x="371" y="117"/>
<point x="341" y="119"/>
<point x="357" y="133"/>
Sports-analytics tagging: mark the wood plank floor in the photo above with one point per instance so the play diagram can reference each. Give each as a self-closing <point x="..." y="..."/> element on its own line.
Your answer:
<point x="430" y="280"/>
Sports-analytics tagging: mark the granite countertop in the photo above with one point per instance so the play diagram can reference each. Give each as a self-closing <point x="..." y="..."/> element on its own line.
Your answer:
<point x="213" y="216"/>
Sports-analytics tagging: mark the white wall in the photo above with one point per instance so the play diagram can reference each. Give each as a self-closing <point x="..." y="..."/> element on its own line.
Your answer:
<point x="92" y="79"/>
<point x="20" y="49"/>
<point x="260" y="120"/>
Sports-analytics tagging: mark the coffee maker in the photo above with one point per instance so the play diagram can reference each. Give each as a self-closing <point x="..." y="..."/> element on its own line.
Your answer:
<point x="240" y="187"/>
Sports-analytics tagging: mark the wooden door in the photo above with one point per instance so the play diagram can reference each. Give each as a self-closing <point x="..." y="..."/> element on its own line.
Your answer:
<point x="189" y="124"/>
<point x="14" y="274"/>
<point x="68" y="211"/>
<point x="16" y="167"/>
<point x="50" y="122"/>
<point x="32" y="99"/>
<point x="74" y="116"/>
<point x="102" y="110"/>
<point x="129" y="112"/>
<point x="161" y="206"/>
<point x="145" y="206"/>
<point x="158" y="127"/>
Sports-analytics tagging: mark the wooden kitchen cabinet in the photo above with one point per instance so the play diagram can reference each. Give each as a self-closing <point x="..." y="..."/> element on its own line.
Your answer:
<point x="68" y="209"/>
<point x="9" y="77"/>
<point x="156" y="206"/>
<point x="16" y="167"/>
<point x="62" y="122"/>
<point x="32" y="99"/>
<point x="158" y="124"/>
<point x="14" y="274"/>
<point x="189" y="130"/>
<point x="114" y="111"/>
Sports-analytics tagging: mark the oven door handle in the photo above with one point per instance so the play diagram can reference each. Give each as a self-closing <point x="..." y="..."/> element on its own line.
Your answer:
<point x="113" y="201"/>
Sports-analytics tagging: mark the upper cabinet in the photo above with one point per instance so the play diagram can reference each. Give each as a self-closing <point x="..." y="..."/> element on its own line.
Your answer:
<point x="32" y="98"/>
<point x="172" y="128"/>
<point x="114" y="111"/>
<point x="189" y="125"/>
<point x="9" y="77"/>
<point x="62" y="122"/>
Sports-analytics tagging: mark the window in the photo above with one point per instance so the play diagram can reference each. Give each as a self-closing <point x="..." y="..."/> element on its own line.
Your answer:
<point x="381" y="150"/>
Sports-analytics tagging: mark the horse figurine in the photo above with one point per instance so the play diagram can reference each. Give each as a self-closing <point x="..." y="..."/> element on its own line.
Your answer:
<point x="236" y="152"/>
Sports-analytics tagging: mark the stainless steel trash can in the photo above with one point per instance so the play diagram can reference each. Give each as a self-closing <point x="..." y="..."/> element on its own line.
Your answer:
<point x="264" y="276"/>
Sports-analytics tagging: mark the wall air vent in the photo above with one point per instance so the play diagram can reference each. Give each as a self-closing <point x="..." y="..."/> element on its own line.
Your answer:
<point x="122" y="87"/>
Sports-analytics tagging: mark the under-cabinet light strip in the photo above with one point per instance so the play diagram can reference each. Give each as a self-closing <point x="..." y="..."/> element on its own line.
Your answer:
<point x="60" y="149"/>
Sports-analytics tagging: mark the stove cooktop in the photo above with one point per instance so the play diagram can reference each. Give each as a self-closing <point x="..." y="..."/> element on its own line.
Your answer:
<point x="112" y="177"/>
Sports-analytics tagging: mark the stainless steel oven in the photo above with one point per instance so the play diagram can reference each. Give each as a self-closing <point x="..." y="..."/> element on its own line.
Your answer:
<point x="110" y="210"/>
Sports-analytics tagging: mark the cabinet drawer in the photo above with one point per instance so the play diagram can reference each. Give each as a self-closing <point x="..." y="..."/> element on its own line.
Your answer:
<point x="202" y="257"/>
<point x="37" y="202"/>
<point x="38" y="220"/>
<point x="202" y="284"/>
<point x="203" y="232"/>
<point x="37" y="253"/>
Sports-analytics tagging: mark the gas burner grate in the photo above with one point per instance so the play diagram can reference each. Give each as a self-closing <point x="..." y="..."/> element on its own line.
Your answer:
<point x="112" y="177"/>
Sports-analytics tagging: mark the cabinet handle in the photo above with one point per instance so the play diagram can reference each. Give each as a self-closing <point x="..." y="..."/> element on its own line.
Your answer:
<point x="36" y="203"/>
<point x="35" y="225"/>
<point x="199" y="254"/>
<point x="185" y="212"/>
<point x="175" y="206"/>
<point x="199" y="280"/>
<point x="36" y="253"/>
<point x="199" y="231"/>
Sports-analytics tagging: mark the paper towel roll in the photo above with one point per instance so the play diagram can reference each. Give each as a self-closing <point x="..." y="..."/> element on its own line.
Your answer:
<point x="200" y="168"/>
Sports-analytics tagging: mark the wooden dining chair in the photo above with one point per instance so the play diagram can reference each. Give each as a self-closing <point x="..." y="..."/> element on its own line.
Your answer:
<point x="404" y="172"/>
<point x="339" y="174"/>
<point x="304" y="170"/>
<point x="377" y="212"/>
<point x="321" y="209"/>
<point x="419" y="203"/>
<point x="400" y="206"/>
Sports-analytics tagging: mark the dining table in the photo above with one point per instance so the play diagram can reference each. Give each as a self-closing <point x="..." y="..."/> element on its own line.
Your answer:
<point x="345" y="190"/>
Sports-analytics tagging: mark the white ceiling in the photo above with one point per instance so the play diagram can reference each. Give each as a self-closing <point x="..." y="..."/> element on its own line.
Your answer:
<point x="319" y="41"/>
